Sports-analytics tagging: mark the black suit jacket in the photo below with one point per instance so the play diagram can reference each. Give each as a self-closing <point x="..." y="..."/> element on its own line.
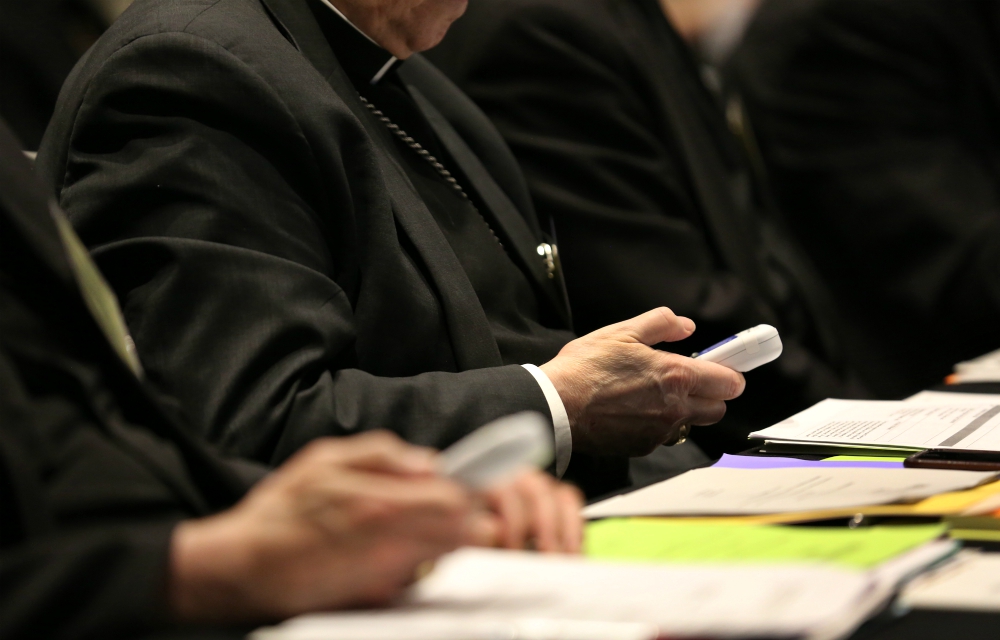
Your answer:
<point x="279" y="272"/>
<point x="622" y="144"/>
<point x="94" y="470"/>
<point x="878" y="123"/>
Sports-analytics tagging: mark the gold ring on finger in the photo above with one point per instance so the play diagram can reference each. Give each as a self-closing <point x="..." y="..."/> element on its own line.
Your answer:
<point x="682" y="434"/>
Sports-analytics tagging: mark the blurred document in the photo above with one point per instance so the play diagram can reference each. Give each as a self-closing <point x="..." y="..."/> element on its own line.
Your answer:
<point x="893" y="424"/>
<point x="720" y="491"/>
<point x="489" y="594"/>
<point x="953" y="397"/>
<point x="971" y="581"/>
<point x="985" y="368"/>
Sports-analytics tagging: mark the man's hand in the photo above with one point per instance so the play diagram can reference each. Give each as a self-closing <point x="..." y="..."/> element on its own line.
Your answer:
<point x="347" y="522"/>
<point x="625" y="398"/>
<point x="537" y="511"/>
<point x="343" y="523"/>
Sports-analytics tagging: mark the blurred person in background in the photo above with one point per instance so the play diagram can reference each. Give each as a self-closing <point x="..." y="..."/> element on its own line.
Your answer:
<point x="610" y="108"/>
<point x="877" y="122"/>
<point x="40" y="41"/>
<point x="117" y="521"/>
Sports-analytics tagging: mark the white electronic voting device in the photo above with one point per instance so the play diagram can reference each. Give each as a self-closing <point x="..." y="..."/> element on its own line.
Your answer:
<point x="746" y="350"/>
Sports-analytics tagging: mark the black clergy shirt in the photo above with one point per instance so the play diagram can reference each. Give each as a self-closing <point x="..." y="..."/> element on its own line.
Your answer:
<point x="503" y="290"/>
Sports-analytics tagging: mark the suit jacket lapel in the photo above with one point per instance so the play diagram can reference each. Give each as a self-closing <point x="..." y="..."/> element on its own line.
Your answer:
<point x="472" y="339"/>
<point x="525" y="241"/>
<point x="471" y="336"/>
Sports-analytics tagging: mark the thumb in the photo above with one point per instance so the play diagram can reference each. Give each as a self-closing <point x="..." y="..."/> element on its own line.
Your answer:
<point x="658" y="325"/>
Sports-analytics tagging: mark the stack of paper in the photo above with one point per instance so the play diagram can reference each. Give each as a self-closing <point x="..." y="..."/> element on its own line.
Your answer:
<point x="485" y="594"/>
<point x="904" y="426"/>
<point x="971" y="581"/>
<point x="721" y="491"/>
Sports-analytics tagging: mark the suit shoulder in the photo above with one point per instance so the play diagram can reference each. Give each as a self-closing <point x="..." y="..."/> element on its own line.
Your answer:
<point x="150" y="32"/>
<point x="224" y="22"/>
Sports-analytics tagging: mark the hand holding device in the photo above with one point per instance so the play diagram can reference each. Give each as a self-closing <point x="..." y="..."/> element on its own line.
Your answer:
<point x="746" y="350"/>
<point x="625" y="398"/>
<point x="496" y="452"/>
<point x="533" y="508"/>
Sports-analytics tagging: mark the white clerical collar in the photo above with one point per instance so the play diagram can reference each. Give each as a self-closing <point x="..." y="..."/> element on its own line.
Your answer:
<point x="389" y="63"/>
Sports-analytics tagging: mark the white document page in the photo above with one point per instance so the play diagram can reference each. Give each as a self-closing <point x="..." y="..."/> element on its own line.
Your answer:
<point x="538" y="597"/>
<point x="898" y="424"/>
<point x="720" y="491"/>
<point x="971" y="581"/>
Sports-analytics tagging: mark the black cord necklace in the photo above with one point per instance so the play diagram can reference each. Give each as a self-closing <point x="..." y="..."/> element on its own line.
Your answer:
<point x="431" y="160"/>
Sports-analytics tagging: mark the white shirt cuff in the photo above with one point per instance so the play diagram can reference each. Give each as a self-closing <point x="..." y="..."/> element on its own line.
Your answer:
<point x="560" y="419"/>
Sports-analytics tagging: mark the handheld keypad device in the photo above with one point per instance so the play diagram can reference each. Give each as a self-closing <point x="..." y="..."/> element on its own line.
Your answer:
<point x="491" y="454"/>
<point x="746" y="350"/>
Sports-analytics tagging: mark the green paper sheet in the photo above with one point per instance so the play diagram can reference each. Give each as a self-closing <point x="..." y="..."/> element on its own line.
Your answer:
<point x="667" y="540"/>
<point x="864" y="459"/>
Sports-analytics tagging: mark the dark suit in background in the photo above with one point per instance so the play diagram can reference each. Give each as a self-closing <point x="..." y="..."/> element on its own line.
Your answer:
<point x="40" y="41"/>
<point x="878" y="120"/>
<point x="622" y="144"/>
<point x="93" y="473"/>
<point x="288" y="267"/>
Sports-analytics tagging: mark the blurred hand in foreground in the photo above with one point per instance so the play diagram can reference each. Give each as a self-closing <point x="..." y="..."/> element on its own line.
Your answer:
<point x="348" y="522"/>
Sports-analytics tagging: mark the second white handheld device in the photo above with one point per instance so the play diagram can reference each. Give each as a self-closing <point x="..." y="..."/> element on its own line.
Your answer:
<point x="746" y="350"/>
<point x="492" y="454"/>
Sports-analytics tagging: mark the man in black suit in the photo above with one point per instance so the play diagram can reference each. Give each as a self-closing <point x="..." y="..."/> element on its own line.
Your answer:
<point x="310" y="238"/>
<point x="606" y="108"/>
<point x="115" y="520"/>
<point x="878" y="123"/>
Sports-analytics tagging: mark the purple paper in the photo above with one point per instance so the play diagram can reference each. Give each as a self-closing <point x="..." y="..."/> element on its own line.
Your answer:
<point x="768" y="462"/>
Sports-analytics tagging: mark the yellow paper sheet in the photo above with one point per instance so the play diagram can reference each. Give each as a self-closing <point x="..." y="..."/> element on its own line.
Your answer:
<point x="672" y="541"/>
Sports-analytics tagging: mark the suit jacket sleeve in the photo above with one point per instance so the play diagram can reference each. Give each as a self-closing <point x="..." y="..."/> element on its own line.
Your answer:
<point x="863" y="113"/>
<point x="571" y="104"/>
<point x="232" y="249"/>
<point x="104" y="584"/>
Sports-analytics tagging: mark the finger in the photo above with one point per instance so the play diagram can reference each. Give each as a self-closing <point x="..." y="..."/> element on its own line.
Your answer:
<point x="482" y="529"/>
<point x="704" y="379"/>
<point x="351" y="498"/>
<point x="658" y="325"/>
<point x="507" y="504"/>
<point x="538" y="491"/>
<point x="377" y="451"/>
<point x="701" y="412"/>
<point x="570" y="506"/>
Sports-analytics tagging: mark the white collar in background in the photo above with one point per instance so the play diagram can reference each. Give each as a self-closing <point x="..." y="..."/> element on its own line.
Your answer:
<point x="391" y="61"/>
